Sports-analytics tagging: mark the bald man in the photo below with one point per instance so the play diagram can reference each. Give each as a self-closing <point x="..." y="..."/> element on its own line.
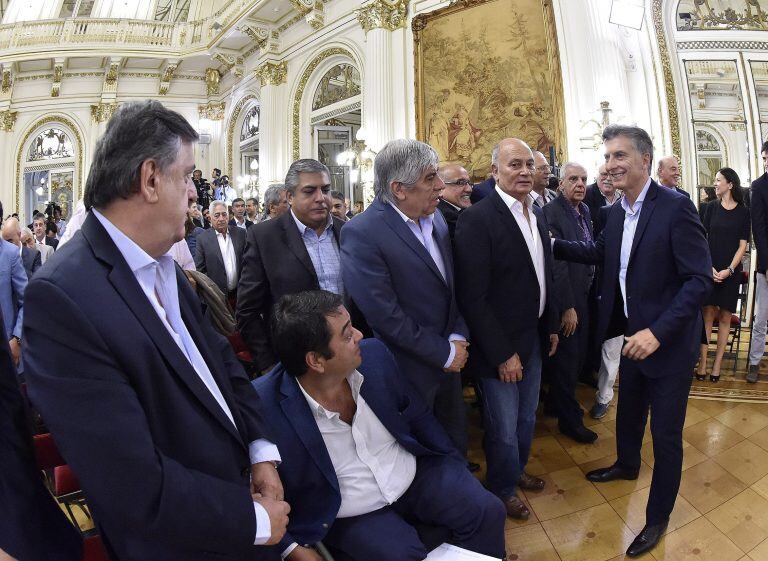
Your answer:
<point x="668" y="173"/>
<point x="13" y="283"/>
<point x="31" y="258"/>
<point x="456" y="195"/>
<point x="504" y="281"/>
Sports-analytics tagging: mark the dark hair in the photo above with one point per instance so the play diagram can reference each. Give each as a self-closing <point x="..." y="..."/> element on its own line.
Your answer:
<point x="39" y="216"/>
<point x="50" y="226"/>
<point x="306" y="165"/>
<point x="138" y="131"/>
<point x="337" y="195"/>
<point x="254" y="199"/>
<point x="639" y="137"/>
<point x="765" y="147"/>
<point x="299" y="326"/>
<point x="733" y="178"/>
<point x="237" y="200"/>
<point x="217" y="170"/>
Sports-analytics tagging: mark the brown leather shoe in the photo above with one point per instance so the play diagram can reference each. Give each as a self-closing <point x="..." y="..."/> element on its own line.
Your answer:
<point x="530" y="482"/>
<point x="516" y="508"/>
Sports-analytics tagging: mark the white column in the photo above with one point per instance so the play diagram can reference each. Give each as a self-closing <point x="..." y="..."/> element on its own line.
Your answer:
<point x="274" y="128"/>
<point x="378" y="103"/>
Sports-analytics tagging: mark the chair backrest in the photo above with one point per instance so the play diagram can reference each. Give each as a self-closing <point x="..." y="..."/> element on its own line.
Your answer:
<point x="47" y="453"/>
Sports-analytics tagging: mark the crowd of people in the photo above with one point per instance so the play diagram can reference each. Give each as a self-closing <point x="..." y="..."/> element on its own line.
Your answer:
<point x="349" y="433"/>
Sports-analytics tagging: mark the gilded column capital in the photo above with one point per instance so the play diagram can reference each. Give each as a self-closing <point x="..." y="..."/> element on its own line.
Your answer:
<point x="272" y="73"/>
<point x="382" y="14"/>
<point x="212" y="79"/>
<point x="101" y="112"/>
<point x="212" y="111"/>
<point x="7" y="120"/>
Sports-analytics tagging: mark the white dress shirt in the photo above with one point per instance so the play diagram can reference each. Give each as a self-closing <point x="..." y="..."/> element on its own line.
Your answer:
<point x="242" y="224"/>
<point x="157" y="279"/>
<point x="631" y="218"/>
<point x="227" y="249"/>
<point x="372" y="468"/>
<point x="530" y="231"/>
<point x="181" y="254"/>
<point x="423" y="232"/>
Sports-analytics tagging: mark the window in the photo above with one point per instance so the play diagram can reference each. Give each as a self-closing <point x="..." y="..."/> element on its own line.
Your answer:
<point x="51" y="144"/>
<point x="340" y="82"/>
<point x="250" y="124"/>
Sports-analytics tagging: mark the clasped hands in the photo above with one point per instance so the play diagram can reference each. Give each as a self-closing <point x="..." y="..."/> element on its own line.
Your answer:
<point x="267" y="490"/>
<point x="720" y="276"/>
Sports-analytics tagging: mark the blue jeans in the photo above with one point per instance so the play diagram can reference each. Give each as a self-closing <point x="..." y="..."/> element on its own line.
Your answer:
<point x="509" y="415"/>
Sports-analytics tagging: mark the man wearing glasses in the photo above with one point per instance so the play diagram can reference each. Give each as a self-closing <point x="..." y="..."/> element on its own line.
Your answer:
<point x="541" y="193"/>
<point x="455" y="197"/>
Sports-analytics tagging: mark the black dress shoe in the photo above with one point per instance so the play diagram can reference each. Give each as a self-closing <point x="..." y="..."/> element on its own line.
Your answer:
<point x="647" y="539"/>
<point x="611" y="473"/>
<point x="580" y="434"/>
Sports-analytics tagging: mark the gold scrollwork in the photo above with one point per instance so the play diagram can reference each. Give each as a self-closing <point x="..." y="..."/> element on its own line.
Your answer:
<point x="7" y="82"/>
<point x="669" y="82"/>
<point x="272" y="73"/>
<point x="7" y="120"/>
<point x="101" y="112"/>
<point x="212" y="111"/>
<point x="383" y="14"/>
<point x="212" y="79"/>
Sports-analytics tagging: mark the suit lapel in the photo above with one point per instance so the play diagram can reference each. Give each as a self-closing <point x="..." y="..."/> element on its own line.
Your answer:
<point x="296" y="244"/>
<point x="398" y="225"/>
<point x="216" y="253"/>
<point x="511" y="224"/>
<point x="297" y="411"/>
<point x="649" y="205"/>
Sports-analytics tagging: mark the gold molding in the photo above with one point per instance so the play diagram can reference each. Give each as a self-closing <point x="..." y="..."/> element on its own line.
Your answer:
<point x="296" y="106"/>
<point x="381" y="14"/>
<point x="669" y="80"/>
<point x="231" y="130"/>
<point x="58" y="71"/>
<point x="101" y="112"/>
<point x="420" y="22"/>
<point x="7" y="120"/>
<point x="272" y="73"/>
<point x="212" y="79"/>
<point x="77" y="176"/>
<point x="165" y="79"/>
<point x="212" y="111"/>
<point x="7" y="81"/>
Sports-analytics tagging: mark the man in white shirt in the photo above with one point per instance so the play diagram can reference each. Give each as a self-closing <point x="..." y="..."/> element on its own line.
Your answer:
<point x="364" y="459"/>
<point x="39" y="227"/>
<point x="147" y="402"/>
<point x="239" y="218"/>
<point x="219" y="251"/>
<point x="540" y="190"/>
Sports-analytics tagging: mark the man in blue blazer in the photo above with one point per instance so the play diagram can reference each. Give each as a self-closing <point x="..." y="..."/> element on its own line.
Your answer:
<point x="657" y="271"/>
<point x="148" y="404"/>
<point x="397" y="266"/>
<point x="13" y="283"/>
<point x="363" y="458"/>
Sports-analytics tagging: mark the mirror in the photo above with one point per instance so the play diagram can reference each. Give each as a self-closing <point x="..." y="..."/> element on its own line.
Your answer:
<point x="760" y="76"/>
<point x="714" y="90"/>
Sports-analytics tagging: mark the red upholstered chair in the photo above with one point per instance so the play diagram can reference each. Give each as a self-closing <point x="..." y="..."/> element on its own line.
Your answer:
<point x="243" y="354"/>
<point x="93" y="549"/>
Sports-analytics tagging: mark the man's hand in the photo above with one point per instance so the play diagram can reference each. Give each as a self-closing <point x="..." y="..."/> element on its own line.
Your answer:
<point x="15" y="350"/>
<point x="640" y="345"/>
<point x="569" y="321"/>
<point x="278" y="516"/>
<point x="720" y="276"/>
<point x="300" y="553"/>
<point x="553" y="341"/>
<point x="459" y="357"/>
<point x="266" y="481"/>
<point x="511" y="370"/>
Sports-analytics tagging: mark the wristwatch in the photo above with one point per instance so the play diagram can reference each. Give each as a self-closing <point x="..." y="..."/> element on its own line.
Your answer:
<point x="18" y="339"/>
<point x="730" y="270"/>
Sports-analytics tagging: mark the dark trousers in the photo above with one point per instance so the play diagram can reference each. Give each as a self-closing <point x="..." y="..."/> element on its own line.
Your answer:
<point x="564" y="371"/>
<point x="667" y="398"/>
<point x="443" y="493"/>
<point x="446" y="399"/>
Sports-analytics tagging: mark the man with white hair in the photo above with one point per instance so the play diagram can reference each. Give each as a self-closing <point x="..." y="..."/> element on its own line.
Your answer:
<point x="397" y="266"/>
<point x="219" y="251"/>
<point x="28" y="240"/>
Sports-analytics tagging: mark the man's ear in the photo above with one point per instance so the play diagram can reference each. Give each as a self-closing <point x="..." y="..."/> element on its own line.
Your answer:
<point x="398" y="190"/>
<point x="148" y="180"/>
<point x="315" y="362"/>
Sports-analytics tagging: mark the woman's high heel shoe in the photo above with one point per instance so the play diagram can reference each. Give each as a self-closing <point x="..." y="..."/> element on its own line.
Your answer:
<point x="714" y="378"/>
<point x="700" y="377"/>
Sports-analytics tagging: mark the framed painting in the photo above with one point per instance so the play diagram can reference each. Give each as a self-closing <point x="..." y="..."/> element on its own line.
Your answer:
<point x="487" y="70"/>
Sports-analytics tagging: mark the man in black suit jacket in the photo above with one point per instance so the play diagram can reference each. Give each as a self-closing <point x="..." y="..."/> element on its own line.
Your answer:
<point x="39" y="229"/>
<point x="219" y="252"/>
<point x="148" y="404"/>
<point x="668" y="173"/>
<point x="656" y="274"/>
<point x="30" y="258"/>
<point x="457" y="194"/>
<point x="568" y="219"/>
<point x="759" y="212"/>
<point x="598" y="194"/>
<point x="295" y="252"/>
<point x="482" y="190"/>
<point x="239" y="218"/>
<point x="504" y="288"/>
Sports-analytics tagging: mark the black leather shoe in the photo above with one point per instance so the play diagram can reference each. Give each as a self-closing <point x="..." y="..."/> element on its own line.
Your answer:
<point x="611" y="473"/>
<point x="647" y="539"/>
<point x="580" y="434"/>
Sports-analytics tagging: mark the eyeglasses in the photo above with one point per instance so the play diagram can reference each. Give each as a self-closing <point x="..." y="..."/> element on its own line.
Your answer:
<point x="546" y="169"/>
<point x="462" y="182"/>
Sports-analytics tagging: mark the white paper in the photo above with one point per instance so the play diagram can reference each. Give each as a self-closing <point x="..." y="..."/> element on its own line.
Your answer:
<point x="447" y="552"/>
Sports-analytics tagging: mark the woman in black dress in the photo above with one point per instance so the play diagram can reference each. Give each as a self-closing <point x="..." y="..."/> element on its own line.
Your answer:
<point x="727" y="224"/>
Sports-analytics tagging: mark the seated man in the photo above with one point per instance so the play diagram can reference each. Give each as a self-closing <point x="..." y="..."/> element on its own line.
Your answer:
<point x="363" y="457"/>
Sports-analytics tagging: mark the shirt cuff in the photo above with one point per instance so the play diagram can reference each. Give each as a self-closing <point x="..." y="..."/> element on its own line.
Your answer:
<point x="288" y="550"/>
<point x="450" y="355"/>
<point x="263" y="527"/>
<point x="262" y="450"/>
<point x="552" y="243"/>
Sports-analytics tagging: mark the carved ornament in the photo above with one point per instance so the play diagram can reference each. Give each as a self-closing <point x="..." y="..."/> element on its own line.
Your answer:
<point x="381" y="14"/>
<point x="272" y="73"/>
<point x="101" y="112"/>
<point x="7" y="120"/>
<point x="211" y="111"/>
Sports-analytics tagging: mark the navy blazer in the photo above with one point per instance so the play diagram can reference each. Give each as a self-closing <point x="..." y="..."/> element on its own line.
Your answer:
<point x="13" y="284"/>
<point x="164" y="470"/>
<point x="309" y="479"/>
<point x="482" y="190"/>
<point x="668" y="277"/>
<point x="398" y="288"/>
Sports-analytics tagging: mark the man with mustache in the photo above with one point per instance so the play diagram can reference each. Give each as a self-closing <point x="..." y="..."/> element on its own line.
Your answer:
<point x="456" y="195"/>
<point x="299" y="250"/>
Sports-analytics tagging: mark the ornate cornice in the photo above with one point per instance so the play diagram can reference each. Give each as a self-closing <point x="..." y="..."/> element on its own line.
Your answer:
<point x="258" y="35"/>
<point x="7" y="120"/>
<point x="383" y="14"/>
<point x="102" y="111"/>
<point x="668" y="78"/>
<point x="58" y="71"/>
<point x="211" y="111"/>
<point x="723" y="45"/>
<point x="212" y="79"/>
<point x="272" y="73"/>
<point x="167" y="76"/>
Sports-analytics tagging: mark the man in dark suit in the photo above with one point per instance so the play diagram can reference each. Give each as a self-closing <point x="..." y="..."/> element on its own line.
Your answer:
<point x="219" y="251"/>
<point x="397" y="266"/>
<point x="148" y="404"/>
<point x="39" y="229"/>
<point x="33" y="527"/>
<point x="568" y="219"/>
<point x="541" y="192"/>
<point x="298" y="250"/>
<point x="364" y="458"/>
<point x="505" y="286"/>
<point x="656" y="274"/>
<point x="669" y="174"/>
<point x="30" y="258"/>
<point x="482" y="190"/>
<point x="599" y="194"/>
<point x="457" y="193"/>
<point x="759" y="212"/>
<point x="239" y="218"/>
